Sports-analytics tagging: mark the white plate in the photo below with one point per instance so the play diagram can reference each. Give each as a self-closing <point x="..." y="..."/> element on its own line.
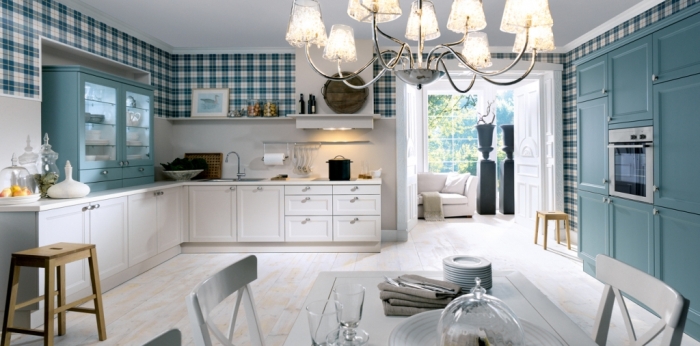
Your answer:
<point x="134" y="157"/>
<point x="134" y="143"/>
<point x="421" y="330"/>
<point x="464" y="261"/>
<point x="20" y="199"/>
<point x="96" y="141"/>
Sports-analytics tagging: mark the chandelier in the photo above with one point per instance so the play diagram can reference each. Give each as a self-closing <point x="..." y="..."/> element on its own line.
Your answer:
<point x="530" y="21"/>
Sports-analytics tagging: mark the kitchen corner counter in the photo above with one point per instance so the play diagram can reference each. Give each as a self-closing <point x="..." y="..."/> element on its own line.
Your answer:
<point x="49" y="204"/>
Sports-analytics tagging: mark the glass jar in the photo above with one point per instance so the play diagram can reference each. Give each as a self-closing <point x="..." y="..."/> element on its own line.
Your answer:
<point x="29" y="158"/>
<point x="47" y="167"/>
<point x="16" y="181"/>
<point x="271" y="108"/>
<point x="254" y="109"/>
<point x="478" y="319"/>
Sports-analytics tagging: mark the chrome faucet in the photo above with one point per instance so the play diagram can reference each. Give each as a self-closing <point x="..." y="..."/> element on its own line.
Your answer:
<point x="239" y="174"/>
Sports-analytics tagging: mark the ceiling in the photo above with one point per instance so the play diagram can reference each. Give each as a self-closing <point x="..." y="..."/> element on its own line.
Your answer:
<point x="235" y="24"/>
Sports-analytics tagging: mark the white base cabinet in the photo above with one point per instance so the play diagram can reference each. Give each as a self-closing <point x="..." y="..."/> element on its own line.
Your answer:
<point x="357" y="228"/>
<point x="154" y="223"/>
<point x="169" y="218"/>
<point x="108" y="231"/>
<point x="308" y="228"/>
<point x="260" y="212"/>
<point x="212" y="213"/>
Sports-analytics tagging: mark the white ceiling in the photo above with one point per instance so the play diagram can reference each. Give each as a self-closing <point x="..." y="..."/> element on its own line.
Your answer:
<point x="186" y="25"/>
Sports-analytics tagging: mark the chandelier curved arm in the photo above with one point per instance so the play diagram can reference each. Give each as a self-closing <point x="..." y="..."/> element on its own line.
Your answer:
<point x="404" y="46"/>
<point x="532" y="64"/>
<point x="447" y="72"/>
<point x="376" y="78"/>
<point x="431" y="57"/>
<point x="337" y="79"/>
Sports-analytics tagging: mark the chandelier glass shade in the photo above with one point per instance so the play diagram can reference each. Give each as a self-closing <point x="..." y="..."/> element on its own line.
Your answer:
<point x="530" y="20"/>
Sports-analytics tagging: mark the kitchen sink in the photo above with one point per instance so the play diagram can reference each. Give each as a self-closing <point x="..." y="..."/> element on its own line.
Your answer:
<point x="231" y="180"/>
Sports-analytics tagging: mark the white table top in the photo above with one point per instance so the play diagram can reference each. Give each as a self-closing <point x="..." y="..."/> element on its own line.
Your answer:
<point x="513" y="288"/>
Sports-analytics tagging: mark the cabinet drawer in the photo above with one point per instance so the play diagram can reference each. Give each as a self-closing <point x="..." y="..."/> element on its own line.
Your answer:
<point x="357" y="228"/>
<point x="308" y="190"/>
<point x="357" y="189"/>
<point x="308" y="205"/>
<point x="357" y="205"/>
<point x="102" y="174"/>
<point x="308" y="228"/>
<point x="138" y="171"/>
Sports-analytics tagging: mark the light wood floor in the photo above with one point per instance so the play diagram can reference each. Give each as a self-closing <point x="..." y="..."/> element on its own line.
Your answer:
<point x="154" y="302"/>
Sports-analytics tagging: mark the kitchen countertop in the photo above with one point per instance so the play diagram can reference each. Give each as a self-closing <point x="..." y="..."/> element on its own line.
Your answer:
<point x="48" y="203"/>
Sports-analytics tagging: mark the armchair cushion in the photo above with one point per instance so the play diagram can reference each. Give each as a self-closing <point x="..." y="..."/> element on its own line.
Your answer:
<point x="448" y="198"/>
<point x="455" y="183"/>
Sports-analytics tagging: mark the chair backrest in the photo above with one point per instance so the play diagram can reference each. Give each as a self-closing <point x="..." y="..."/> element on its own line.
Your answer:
<point x="169" y="338"/>
<point x="646" y="289"/>
<point x="212" y="291"/>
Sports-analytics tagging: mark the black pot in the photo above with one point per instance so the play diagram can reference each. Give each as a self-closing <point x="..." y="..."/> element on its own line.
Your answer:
<point x="339" y="169"/>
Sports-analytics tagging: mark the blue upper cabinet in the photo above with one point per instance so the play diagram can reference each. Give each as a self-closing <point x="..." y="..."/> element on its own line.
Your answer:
<point x="593" y="146"/>
<point x="592" y="79"/>
<point x="677" y="258"/>
<point x="632" y="235"/>
<point x="629" y="80"/>
<point x="593" y="228"/>
<point x="677" y="139"/>
<point x="677" y="50"/>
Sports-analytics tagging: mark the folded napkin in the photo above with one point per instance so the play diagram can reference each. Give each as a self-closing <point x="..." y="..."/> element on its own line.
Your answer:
<point x="440" y="283"/>
<point x="407" y="301"/>
<point x="390" y="310"/>
<point x="401" y="302"/>
<point x="388" y="295"/>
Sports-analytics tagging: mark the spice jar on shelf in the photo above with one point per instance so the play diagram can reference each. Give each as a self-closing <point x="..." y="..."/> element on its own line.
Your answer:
<point x="270" y="108"/>
<point x="254" y="108"/>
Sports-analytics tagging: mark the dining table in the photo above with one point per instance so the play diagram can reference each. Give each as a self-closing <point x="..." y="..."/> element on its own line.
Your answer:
<point x="543" y="322"/>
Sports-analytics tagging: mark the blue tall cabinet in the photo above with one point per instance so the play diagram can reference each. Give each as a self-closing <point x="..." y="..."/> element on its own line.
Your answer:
<point x="650" y="78"/>
<point x="101" y="123"/>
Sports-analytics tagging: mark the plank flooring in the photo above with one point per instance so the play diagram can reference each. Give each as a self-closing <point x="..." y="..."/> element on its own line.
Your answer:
<point x="154" y="302"/>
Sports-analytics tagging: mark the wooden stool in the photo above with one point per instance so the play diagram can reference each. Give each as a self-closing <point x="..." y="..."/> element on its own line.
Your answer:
<point x="556" y="216"/>
<point x="53" y="258"/>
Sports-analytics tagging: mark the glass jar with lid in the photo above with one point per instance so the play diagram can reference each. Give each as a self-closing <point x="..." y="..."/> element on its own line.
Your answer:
<point x="270" y="108"/>
<point x="254" y="108"/>
<point x="17" y="185"/>
<point x="479" y="319"/>
<point x="47" y="168"/>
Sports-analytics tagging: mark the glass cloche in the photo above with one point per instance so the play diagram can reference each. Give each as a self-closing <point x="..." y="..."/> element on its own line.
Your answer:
<point x="479" y="319"/>
<point x="17" y="184"/>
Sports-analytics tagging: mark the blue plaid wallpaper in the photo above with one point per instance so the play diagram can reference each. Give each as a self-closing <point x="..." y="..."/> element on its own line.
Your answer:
<point x="248" y="76"/>
<point x="24" y="21"/>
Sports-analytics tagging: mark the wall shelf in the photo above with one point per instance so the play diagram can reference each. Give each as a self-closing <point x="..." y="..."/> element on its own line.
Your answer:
<point x="227" y="119"/>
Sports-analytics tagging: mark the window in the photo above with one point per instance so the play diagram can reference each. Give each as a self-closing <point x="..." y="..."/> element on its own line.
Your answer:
<point x="452" y="138"/>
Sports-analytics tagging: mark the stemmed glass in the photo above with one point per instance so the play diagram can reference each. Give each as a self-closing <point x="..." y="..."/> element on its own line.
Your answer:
<point x="349" y="299"/>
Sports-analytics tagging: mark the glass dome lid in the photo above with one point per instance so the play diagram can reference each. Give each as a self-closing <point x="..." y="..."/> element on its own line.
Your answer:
<point x="16" y="181"/>
<point x="479" y="319"/>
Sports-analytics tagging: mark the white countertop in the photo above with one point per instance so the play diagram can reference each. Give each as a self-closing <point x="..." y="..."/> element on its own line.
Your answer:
<point x="48" y="203"/>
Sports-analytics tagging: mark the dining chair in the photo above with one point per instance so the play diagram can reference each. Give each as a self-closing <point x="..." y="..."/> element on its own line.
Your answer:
<point x="646" y="289"/>
<point x="171" y="337"/>
<point x="212" y="291"/>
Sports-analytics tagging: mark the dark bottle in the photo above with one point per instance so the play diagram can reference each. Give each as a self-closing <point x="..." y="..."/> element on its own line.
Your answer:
<point x="310" y="104"/>
<point x="302" y="106"/>
<point x="314" y="107"/>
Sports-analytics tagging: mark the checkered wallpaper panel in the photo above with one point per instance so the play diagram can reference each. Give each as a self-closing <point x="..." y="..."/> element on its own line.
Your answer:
<point x="24" y="21"/>
<point x="248" y="76"/>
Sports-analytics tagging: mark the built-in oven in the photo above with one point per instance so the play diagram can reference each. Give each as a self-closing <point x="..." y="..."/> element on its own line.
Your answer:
<point x="632" y="163"/>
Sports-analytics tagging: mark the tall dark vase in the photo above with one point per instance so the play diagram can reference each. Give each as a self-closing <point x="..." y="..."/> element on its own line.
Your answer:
<point x="506" y="203"/>
<point x="486" y="171"/>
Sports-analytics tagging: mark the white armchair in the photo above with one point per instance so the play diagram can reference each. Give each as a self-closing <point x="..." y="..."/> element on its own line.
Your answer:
<point x="453" y="204"/>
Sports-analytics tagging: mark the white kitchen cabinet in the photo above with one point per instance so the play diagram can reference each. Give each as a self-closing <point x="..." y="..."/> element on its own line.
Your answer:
<point x="308" y="228"/>
<point x="212" y="213"/>
<point x="108" y="231"/>
<point x="357" y="204"/>
<point x="308" y="205"/>
<point x="260" y="212"/>
<point x="357" y="228"/>
<point x="357" y="189"/>
<point x="308" y="190"/>
<point x="169" y="218"/>
<point x="143" y="231"/>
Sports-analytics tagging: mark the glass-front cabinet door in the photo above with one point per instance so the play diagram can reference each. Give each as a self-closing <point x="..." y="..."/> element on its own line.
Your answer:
<point x="100" y="128"/>
<point x="138" y="120"/>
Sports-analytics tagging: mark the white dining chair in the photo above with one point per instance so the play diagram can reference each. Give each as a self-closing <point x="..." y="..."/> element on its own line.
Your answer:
<point x="171" y="337"/>
<point x="212" y="291"/>
<point x="646" y="289"/>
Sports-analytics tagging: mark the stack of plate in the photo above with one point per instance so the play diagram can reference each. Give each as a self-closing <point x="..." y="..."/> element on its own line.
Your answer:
<point x="463" y="270"/>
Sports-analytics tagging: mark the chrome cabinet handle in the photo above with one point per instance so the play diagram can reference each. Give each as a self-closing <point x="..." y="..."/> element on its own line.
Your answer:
<point x="605" y="181"/>
<point x="609" y="119"/>
<point x="232" y="188"/>
<point x="97" y="207"/>
<point x="306" y="199"/>
<point x="355" y="188"/>
<point x="141" y="169"/>
<point x="121" y="163"/>
<point x="355" y="220"/>
<point x="604" y="91"/>
<point x="610" y="201"/>
<point x="306" y="189"/>
<point x="127" y="163"/>
<point x="86" y="208"/>
<point x="656" y="211"/>
<point x="605" y="200"/>
<point x="259" y="187"/>
<point x="655" y="188"/>
<point x="104" y="172"/>
<point x="354" y="199"/>
<point x="654" y="78"/>
<point x="155" y="193"/>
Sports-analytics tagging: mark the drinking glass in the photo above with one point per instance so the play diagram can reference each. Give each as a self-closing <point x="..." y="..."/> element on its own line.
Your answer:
<point x="349" y="299"/>
<point x="322" y="320"/>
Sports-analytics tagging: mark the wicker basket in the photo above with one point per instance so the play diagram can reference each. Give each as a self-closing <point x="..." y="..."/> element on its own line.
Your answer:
<point x="214" y="161"/>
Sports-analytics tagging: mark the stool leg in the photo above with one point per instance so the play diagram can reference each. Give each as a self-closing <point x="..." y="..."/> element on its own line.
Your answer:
<point x="537" y="226"/>
<point x="61" y="277"/>
<point x="49" y="287"/>
<point x="558" y="239"/>
<point x="9" y="315"/>
<point x="97" y="291"/>
<point x="545" y="232"/>
<point x="568" y="236"/>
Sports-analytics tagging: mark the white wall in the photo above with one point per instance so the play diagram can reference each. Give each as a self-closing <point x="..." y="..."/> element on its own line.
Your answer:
<point x="19" y="118"/>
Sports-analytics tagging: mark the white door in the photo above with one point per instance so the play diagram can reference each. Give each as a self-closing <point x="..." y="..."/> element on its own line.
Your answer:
<point x="169" y="220"/>
<point x="212" y="213"/>
<point x="260" y="213"/>
<point x="407" y="139"/>
<point x="528" y="157"/>
<point x="143" y="235"/>
<point x="108" y="231"/>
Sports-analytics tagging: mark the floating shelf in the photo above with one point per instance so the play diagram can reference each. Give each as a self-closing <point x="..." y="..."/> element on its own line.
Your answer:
<point x="335" y="121"/>
<point x="227" y="119"/>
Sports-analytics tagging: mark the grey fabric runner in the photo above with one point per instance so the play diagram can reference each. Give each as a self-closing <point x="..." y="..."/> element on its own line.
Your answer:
<point x="390" y="310"/>
<point x="432" y="206"/>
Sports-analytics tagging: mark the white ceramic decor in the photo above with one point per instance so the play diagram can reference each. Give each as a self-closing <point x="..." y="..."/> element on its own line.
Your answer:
<point x="69" y="188"/>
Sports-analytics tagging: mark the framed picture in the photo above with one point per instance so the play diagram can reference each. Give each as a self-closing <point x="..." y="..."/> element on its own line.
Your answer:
<point x="209" y="102"/>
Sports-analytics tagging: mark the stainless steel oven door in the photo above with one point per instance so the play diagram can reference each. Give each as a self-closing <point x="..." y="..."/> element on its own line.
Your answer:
<point x="632" y="171"/>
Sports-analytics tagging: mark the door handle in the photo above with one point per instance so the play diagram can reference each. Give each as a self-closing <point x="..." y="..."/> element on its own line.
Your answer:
<point x="655" y="211"/>
<point x="354" y="199"/>
<point x="355" y="188"/>
<point x="85" y="209"/>
<point x="121" y="163"/>
<point x="609" y="119"/>
<point x="605" y="181"/>
<point x="232" y="188"/>
<point x="104" y="172"/>
<point x="604" y="91"/>
<point x="141" y="169"/>
<point x="306" y="189"/>
<point x="355" y="220"/>
<point x="654" y="78"/>
<point x="259" y="188"/>
<point x="306" y="199"/>
<point x="655" y="188"/>
<point x="127" y="163"/>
